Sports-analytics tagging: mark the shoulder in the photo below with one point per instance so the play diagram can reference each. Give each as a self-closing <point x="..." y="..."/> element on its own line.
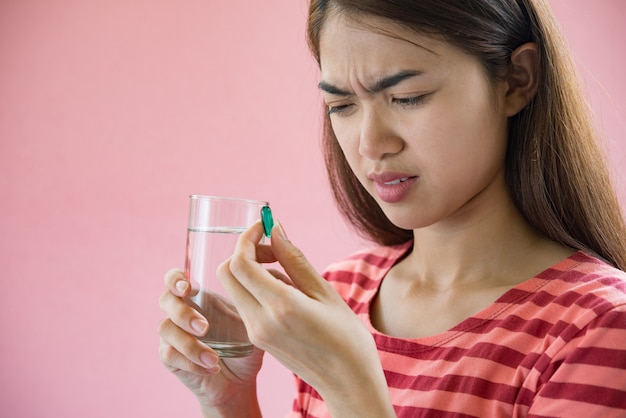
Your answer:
<point x="588" y="281"/>
<point x="369" y="262"/>
<point x="580" y="295"/>
<point x="357" y="277"/>
<point x="584" y="358"/>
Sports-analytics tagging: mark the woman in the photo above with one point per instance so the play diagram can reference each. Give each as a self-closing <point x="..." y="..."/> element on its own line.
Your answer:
<point x="457" y="140"/>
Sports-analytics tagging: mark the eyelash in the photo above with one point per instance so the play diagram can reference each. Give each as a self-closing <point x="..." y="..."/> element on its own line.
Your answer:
<point x="337" y="109"/>
<point x="409" y="101"/>
<point x="404" y="102"/>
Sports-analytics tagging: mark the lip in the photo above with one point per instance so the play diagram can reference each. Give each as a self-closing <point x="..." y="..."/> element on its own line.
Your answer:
<point x="392" y="187"/>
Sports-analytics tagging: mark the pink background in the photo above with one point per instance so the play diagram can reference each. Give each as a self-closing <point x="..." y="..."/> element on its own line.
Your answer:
<point x="111" y="113"/>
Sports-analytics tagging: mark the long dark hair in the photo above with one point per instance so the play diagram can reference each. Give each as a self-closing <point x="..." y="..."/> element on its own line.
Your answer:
<point x="555" y="169"/>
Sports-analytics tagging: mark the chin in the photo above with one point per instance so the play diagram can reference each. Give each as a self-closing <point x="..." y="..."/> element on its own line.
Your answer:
<point x="408" y="221"/>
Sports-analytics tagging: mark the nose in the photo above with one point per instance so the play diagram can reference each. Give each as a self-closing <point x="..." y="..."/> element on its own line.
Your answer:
<point x="377" y="137"/>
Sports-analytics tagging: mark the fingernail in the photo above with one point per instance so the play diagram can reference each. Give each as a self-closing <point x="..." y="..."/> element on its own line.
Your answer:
<point x="214" y="370"/>
<point x="281" y="231"/>
<point x="209" y="359"/>
<point x="181" y="286"/>
<point x="199" y="325"/>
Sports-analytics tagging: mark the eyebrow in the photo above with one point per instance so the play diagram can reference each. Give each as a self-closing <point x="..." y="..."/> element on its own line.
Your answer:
<point x="378" y="86"/>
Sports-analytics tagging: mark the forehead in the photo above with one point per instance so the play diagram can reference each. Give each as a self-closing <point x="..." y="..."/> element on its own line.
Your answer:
<point x="371" y="44"/>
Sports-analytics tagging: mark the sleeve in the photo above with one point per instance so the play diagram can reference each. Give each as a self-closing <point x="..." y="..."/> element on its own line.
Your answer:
<point x="307" y="403"/>
<point x="298" y="406"/>
<point x="587" y="377"/>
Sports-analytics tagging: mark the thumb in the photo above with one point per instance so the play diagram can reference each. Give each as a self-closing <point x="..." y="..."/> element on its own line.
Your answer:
<point x="295" y="264"/>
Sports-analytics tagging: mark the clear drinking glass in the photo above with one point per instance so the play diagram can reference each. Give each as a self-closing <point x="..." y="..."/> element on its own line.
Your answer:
<point x="214" y="227"/>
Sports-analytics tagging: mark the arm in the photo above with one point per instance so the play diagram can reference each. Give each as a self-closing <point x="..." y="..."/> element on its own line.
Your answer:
<point x="244" y="404"/>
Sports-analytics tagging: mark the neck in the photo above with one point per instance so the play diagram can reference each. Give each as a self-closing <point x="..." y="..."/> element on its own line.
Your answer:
<point x="491" y="245"/>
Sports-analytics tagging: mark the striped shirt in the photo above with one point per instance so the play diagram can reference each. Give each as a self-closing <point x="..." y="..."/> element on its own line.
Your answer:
<point x="552" y="346"/>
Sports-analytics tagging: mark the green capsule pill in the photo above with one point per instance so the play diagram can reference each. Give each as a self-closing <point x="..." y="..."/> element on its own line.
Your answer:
<point x="267" y="220"/>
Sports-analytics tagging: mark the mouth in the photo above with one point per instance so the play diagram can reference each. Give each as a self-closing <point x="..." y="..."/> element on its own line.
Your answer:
<point x="389" y="178"/>
<point x="396" y="181"/>
<point x="393" y="187"/>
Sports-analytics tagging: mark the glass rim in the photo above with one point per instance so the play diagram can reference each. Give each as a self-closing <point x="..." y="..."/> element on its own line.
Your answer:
<point x="230" y="199"/>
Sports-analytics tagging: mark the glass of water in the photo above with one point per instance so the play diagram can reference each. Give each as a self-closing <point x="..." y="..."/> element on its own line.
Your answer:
<point x="214" y="227"/>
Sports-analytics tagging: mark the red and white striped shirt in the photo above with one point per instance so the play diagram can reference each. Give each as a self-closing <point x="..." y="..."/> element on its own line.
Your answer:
<point x="552" y="346"/>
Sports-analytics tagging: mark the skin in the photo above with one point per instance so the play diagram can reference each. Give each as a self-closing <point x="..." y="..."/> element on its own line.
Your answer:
<point x="295" y="316"/>
<point x="445" y="126"/>
<point x="470" y="242"/>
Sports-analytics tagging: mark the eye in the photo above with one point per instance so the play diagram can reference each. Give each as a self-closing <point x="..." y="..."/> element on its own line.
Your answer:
<point x="335" y="110"/>
<point x="409" y="101"/>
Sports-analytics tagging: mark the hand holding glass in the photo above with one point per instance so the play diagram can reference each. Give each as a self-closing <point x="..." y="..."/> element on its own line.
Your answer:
<point x="214" y="227"/>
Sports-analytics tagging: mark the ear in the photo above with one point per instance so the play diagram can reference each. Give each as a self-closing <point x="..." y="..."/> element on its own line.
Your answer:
<point x="523" y="79"/>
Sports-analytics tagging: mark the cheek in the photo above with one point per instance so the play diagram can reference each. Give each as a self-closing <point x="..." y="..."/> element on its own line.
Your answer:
<point x="472" y="125"/>
<point x="461" y="147"/>
<point x="348" y="140"/>
<point x="473" y="112"/>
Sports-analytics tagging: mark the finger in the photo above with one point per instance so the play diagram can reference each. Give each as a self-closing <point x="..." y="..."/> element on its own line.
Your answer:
<point x="297" y="267"/>
<point x="176" y="282"/>
<point x="264" y="254"/>
<point x="183" y="315"/>
<point x="248" y="307"/>
<point x="281" y="276"/>
<point x="252" y="276"/>
<point x="180" y="350"/>
<point x="240" y="296"/>
<point x="259" y="308"/>
<point x="263" y="251"/>
<point x="174" y="361"/>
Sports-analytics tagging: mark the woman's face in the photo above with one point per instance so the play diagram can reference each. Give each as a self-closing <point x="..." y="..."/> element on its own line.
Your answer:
<point x="420" y="123"/>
